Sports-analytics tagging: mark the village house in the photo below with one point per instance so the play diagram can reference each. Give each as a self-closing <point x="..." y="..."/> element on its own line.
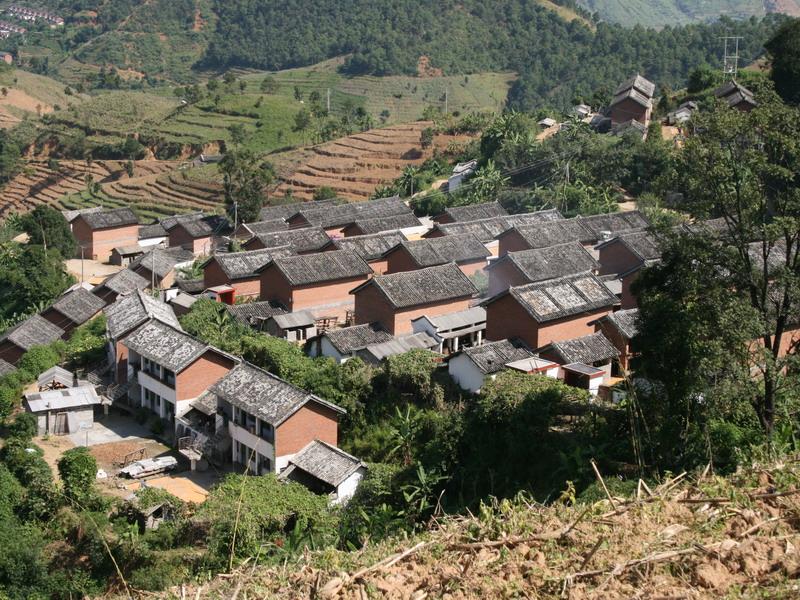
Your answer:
<point x="620" y="328"/>
<point x="320" y="283"/>
<point x="32" y="14"/>
<point x="548" y="311"/>
<point x="270" y="420"/>
<point x="71" y="215"/>
<point x="369" y="247"/>
<point x="240" y="270"/>
<point x="6" y="368"/>
<point x="126" y="315"/>
<point x="284" y="211"/>
<point x="123" y="256"/>
<point x="586" y="362"/>
<point x="395" y="300"/>
<point x="301" y="241"/>
<point x="121" y="282"/>
<point x="471" y="212"/>
<point x="625" y="256"/>
<point x="255" y="314"/>
<point x="453" y="331"/>
<point x="245" y="231"/>
<point x="407" y="223"/>
<point x="292" y="326"/>
<point x="334" y="218"/>
<point x="33" y="331"/>
<point x="461" y="172"/>
<point x="633" y="100"/>
<point x="56" y="378"/>
<point x="736" y="95"/>
<point x="62" y="411"/>
<point x="539" y="264"/>
<point x="6" y="29"/>
<point x="72" y="309"/>
<point x="543" y="235"/>
<point x="326" y="469"/>
<point x="98" y="233"/>
<point x="375" y="354"/>
<point x="182" y="303"/>
<point x="170" y="368"/>
<point x="194" y="232"/>
<point x="152" y="234"/>
<point x="471" y="367"/>
<point x="466" y="251"/>
<point x="341" y="344"/>
<point x="158" y="266"/>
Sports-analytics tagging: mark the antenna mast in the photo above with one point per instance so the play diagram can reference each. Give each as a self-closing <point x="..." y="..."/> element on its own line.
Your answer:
<point x="730" y="64"/>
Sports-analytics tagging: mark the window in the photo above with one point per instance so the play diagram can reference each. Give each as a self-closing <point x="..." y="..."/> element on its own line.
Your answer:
<point x="266" y="431"/>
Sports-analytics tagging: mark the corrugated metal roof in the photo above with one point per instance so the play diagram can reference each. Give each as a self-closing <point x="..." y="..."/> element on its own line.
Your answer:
<point x="75" y="397"/>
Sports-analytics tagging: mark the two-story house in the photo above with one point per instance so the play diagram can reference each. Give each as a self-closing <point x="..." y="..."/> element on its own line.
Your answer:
<point x="465" y="250"/>
<point x="369" y="247"/>
<point x="301" y="241"/>
<point x="72" y="309"/>
<point x="99" y="232"/>
<point x="239" y="270"/>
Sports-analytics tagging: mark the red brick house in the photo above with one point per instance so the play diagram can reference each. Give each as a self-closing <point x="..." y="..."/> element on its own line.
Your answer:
<point x="98" y="233"/>
<point x="33" y="331"/>
<point x="121" y="282"/>
<point x="369" y="247"/>
<point x="195" y="232"/>
<point x="405" y="222"/>
<point x="633" y="100"/>
<point x="396" y="300"/>
<point x="465" y="250"/>
<point x="240" y="270"/>
<point x="72" y="309"/>
<point x="539" y="264"/>
<point x="628" y="251"/>
<point x="620" y="328"/>
<point x="334" y="218"/>
<point x="301" y="241"/>
<point x="736" y="95"/>
<point x="159" y="264"/>
<point x="319" y="283"/>
<point x="471" y="212"/>
<point x="543" y="235"/>
<point x="548" y="311"/>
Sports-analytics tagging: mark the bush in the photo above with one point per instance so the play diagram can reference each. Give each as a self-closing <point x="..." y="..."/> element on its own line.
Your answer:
<point x="78" y="471"/>
<point x="24" y="427"/>
<point x="40" y="358"/>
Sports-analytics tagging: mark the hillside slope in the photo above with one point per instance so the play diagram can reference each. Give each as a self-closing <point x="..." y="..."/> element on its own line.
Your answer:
<point x="658" y="13"/>
<point x="707" y="537"/>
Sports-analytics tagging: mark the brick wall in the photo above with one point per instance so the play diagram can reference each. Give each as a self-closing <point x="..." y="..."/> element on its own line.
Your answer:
<point x="511" y="241"/>
<point x="201" y="374"/>
<point x="332" y="298"/>
<point x="311" y="422"/>
<point x="164" y="283"/>
<point x="619" y="342"/>
<point x="402" y="319"/>
<point x="371" y="306"/>
<point x="503" y="275"/>
<point x="628" y="299"/>
<point x="470" y="268"/>
<point x="59" y="320"/>
<point x="248" y="287"/>
<point x="617" y="258"/>
<point x="627" y="110"/>
<point x="122" y="363"/>
<point x="10" y="352"/>
<point x="400" y="260"/>
<point x="380" y="266"/>
<point x="253" y="244"/>
<point x="97" y="244"/>
<point x="178" y="236"/>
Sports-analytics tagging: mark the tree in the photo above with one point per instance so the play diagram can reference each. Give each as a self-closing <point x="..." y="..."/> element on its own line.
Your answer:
<point x="47" y="227"/>
<point x="242" y="85"/>
<point x="702" y="78"/>
<point x="244" y="177"/>
<point x="33" y="278"/>
<point x="302" y="121"/>
<point x="229" y="78"/>
<point x="426" y="138"/>
<point x="237" y="133"/>
<point x="78" y="471"/>
<point x="324" y="193"/>
<point x="268" y="85"/>
<point x="784" y="50"/>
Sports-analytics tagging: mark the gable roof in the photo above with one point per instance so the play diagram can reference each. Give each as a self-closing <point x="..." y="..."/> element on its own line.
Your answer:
<point x="318" y="268"/>
<point x="128" y="312"/>
<point x="348" y="339"/>
<point x="168" y="346"/>
<point x="586" y="350"/>
<point x="104" y="219"/>
<point x="325" y="463"/>
<point x="56" y="374"/>
<point x="293" y="320"/>
<point x="72" y="397"/>
<point x="162" y="261"/>
<point x="562" y="297"/>
<point x="33" y="331"/>
<point x="539" y="264"/>
<point x="473" y="212"/>
<point x="626" y="322"/>
<point x="388" y="223"/>
<point x="488" y="229"/>
<point x="423" y="286"/>
<point x="637" y="82"/>
<point x="734" y="93"/>
<point x="264" y="395"/>
<point x="632" y="94"/>
<point x="543" y="235"/>
<point x="450" y="248"/>
<point x="197" y="225"/>
<point x="257" y="227"/>
<point x="307" y="239"/>
<point x="71" y="215"/>
<point x="642" y="244"/>
<point x="493" y="356"/>
<point x="79" y="305"/>
<point x="371" y="246"/>
<point x="284" y="211"/>
<point x="457" y="323"/>
<point x="250" y="313"/>
<point x="397" y="345"/>
<point x="615" y="222"/>
<point x="240" y="265"/>
<point x="153" y="230"/>
<point x="6" y="368"/>
<point x="123" y="281"/>
<point x="344" y="214"/>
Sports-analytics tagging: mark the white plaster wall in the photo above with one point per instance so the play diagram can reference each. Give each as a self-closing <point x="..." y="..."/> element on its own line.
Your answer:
<point x="465" y="373"/>
<point x="348" y="487"/>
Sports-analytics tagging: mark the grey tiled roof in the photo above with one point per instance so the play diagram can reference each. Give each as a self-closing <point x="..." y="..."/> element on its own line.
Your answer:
<point x="615" y="222"/>
<point x="389" y="223"/>
<point x="307" y="239"/>
<point x="33" y="331"/>
<point x="542" y="235"/>
<point x="162" y="260"/>
<point x="79" y="305"/>
<point x="400" y="345"/>
<point x="562" y="297"/>
<point x="197" y="225"/>
<point x="166" y="345"/>
<point x="284" y="211"/>
<point x="642" y="243"/>
<point x="348" y="339"/>
<point x="450" y="248"/>
<point x="239" y="265"/>
<point x="264" y="395"/>
<point x="153" y="230"/>
<point x="128" y="312"/>
<point x="473" y="212"/>
<point x="587" y="350"/>
<point x="423" y="286"/>
<point x="116" y="217"/>
<point x="191" y="286"/>
<point x="369" y="247"/>
<point x="124" y="281"/>
<point x="634" y="95"/>
<point x="344" y="214"/>
<point x="266" y="226"/>
<point x="250" y="313"/>
<point x="71" y="215"/>
<point x="293" y="320"/>
<point x="645" y="86"/>
<point x="323" y="266"/>
<point x="493" y="356"/>
<point x="326" y="463"/>
<point x="734" y="92"/>
<point x="6" y="368"/>
<point x="625" y="321"/>
<point x="488" y="229"/>
<point x="539" y="264"/>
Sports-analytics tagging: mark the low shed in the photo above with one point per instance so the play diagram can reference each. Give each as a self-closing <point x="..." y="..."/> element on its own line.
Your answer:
<point x="61" y="412"/>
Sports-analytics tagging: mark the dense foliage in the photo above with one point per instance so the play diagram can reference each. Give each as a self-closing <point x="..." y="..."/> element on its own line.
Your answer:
<point x="784" y="50"/>
<point x="558" y="61"/>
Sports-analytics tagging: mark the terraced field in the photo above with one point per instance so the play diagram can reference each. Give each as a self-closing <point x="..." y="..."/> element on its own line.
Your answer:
<point x="354" y="166"/>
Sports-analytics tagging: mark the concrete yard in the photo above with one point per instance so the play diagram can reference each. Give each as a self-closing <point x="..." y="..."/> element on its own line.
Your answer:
<point x="93" y="271"/>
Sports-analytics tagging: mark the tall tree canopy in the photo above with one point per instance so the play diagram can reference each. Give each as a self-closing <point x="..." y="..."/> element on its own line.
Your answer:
<point x="244" y="178"/>
<point x="47" y="227"/>
<point x="784" y="49"/>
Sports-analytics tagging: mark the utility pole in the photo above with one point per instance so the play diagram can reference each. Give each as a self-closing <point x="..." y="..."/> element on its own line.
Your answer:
<point x="329" y="100"/>
<point x="446" y="111"/>
<point x="235" y="215"/>
<point x="730" y="64"/>
<point x="81" y="263"/>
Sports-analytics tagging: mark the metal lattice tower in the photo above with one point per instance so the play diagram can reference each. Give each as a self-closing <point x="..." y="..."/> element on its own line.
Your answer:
<point x="730" y="64"/>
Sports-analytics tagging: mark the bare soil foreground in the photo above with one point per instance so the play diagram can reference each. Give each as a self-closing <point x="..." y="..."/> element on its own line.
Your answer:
<point x="688" y="538"/>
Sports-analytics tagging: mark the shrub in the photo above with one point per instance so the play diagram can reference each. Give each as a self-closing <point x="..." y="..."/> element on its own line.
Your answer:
<point x="24" y="427"/>
<point x="78" y="471"/>
<point x="40" y="358"/>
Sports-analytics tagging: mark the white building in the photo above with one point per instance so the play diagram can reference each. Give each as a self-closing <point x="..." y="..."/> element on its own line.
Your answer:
<point x="454" y="331"/>
<point x="63" y="411"/>
<point x="325" y="469"/>
<point x="470" y="368"/>
<point x="461" y="172"/>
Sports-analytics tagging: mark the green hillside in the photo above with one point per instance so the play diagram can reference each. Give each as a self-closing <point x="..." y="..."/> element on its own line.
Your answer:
<point x="657" y="13"/>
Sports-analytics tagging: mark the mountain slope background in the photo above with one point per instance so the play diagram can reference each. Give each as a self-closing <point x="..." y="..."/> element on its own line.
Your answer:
<point x="659" y="13"/>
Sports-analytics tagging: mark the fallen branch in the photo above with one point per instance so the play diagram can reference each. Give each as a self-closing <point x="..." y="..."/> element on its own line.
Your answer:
<point x="603" y="483"/>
